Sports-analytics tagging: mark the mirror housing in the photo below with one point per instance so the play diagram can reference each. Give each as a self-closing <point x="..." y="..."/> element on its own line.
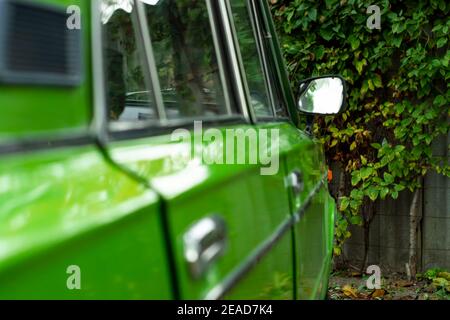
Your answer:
<point x="324" y="95"/>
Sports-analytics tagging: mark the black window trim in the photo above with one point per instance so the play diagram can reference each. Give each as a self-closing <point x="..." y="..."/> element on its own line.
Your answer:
<point x="145" y="131"/>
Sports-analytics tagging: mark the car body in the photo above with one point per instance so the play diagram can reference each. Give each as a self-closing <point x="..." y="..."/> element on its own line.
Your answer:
<point x="97" y="205"/>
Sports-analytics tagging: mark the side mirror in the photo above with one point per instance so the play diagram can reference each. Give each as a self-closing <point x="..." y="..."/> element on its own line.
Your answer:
<point x="322" y="95"/>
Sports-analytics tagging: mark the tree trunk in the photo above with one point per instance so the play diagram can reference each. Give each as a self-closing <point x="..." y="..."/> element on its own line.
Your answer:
<point x="341" y="187"/>
<point x="368" y="215"/>
<point x="339" y="191"/>
<point x="366" y="248"/>
<point x="414" y="223"/>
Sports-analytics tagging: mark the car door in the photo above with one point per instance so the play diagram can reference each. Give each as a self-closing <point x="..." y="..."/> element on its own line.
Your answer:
<point x="311" y="206"/>
<point x="187" y="135"/>
<point x="72" y="224"/>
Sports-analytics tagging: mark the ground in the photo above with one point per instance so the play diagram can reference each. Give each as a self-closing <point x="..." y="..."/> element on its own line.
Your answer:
<point x="351" y="285"/>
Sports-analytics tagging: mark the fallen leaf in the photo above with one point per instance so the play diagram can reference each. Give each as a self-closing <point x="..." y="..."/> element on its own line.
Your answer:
<point x="349" y="291"/>
<point x="404" y="283"/>
<point x="356" y="274"/>
<point x="378" y="293"/>
<point x="363" y="296"/>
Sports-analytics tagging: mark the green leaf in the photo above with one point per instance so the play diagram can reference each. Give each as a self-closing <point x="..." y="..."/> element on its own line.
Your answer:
<point x="333" y="143"/>
<point x="356" y="220"/>
<point x="389" y="178"/>
<point x="441" y="42"/>
<point x="437" y="28"/>
<point x="363" y="160"/>
<point x="356" y="177"/>
<point x="376" y="145"/>
<point x="359" y="65"/>
<point x="439" y="101"/>
<point x="377" y="81"/>
<point x="366" y="172"/>
<point x="326" y="34"/>
<point x="354" y="42"/>
<point x="397" y="42"/>
<point x="344" y="203"/>
<point x="320" y="51"/>
<point x="354" y="204"/>
<point x="312" y="14"/>
<point x="337" y="251"/>
<point x="373" y="194"/>
<point x="384" y="191"/>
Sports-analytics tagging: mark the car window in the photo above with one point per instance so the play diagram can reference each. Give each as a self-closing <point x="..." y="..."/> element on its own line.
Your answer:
<point x="191" y="80"/>
<point x="274" y="82"/>
<point x="251" y="59"/>
<point x="190" y="75"/>
<point x="127" y="95"/>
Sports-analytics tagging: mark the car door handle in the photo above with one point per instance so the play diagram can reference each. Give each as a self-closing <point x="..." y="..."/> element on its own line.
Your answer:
<point x="204" y="242"/>
<point x="295" y="181"/>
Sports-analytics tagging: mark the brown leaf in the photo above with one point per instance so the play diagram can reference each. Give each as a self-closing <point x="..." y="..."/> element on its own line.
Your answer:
<point x="363" y="296"/>
<point x="378" y="293"/>
<point x="403" y="283"/>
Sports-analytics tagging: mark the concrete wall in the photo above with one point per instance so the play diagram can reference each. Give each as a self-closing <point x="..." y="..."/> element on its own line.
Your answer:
<point x="436" y="223"/>
<point x="389" y="235"/>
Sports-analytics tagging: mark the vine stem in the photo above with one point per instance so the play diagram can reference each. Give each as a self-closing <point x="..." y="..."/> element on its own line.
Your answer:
<point x="414" y="223"/>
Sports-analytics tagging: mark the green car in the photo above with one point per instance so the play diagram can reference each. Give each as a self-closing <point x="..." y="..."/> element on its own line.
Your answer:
<point x="153" y="149"/>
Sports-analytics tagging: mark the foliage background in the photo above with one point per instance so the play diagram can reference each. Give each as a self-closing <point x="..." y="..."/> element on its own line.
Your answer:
<point x="398" y="92"/>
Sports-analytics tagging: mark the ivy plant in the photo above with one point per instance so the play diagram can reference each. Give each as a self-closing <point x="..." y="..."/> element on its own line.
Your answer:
<point x="398" y="92"/>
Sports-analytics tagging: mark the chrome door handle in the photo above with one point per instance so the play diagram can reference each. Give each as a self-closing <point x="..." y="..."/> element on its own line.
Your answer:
<point x="295" y="181"/>
<point x="204" y="242"/>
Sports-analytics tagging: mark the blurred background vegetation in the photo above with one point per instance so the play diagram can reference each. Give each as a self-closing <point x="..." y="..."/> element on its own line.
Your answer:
<point x="398" y="96"/>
